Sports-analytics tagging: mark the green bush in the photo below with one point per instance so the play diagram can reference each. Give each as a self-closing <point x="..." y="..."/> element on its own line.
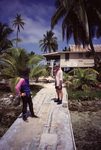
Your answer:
<point x="82" y="95"/>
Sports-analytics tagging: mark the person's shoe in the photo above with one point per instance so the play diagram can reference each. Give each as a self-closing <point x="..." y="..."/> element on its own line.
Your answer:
<point x="60" y="102"/>
<point x="34" y="116"/>
<point x="24" y="118"/>
<point x="57" y="100"/>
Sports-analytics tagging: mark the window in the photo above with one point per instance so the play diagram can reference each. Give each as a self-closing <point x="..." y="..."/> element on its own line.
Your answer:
<point x="80" y="56"/>
<point x="66" y="56"/>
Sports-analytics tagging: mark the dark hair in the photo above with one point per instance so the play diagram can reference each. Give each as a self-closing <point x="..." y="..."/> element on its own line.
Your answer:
<point x="26" y="71"/>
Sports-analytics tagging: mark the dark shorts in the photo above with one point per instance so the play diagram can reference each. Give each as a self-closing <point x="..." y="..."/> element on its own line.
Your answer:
<point x="58" y="87"/>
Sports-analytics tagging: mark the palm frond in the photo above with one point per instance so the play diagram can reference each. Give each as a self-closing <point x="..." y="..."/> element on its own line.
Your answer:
<point x="16" y="39"/>
<point x="85" y="87"/>
<point x="8" y="62"/>
<point x="35" y="59"/>
<point x="91" y="70"/>
<point x="76" y="83"/>
<point x="59" y="13"/>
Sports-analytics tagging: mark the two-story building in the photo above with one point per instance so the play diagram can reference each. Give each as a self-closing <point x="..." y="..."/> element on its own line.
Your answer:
<point x="76" y="56"/>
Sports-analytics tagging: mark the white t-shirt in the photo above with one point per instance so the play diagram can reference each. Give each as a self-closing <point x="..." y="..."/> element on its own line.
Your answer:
<point x="58" y="77"/>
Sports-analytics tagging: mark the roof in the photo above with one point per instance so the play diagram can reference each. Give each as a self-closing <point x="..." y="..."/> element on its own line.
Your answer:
<point x="74" y="48"/>
<point x="54" y="55"/>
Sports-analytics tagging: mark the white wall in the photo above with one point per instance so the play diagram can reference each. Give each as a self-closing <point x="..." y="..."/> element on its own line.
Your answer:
<point x="75" y="61"/>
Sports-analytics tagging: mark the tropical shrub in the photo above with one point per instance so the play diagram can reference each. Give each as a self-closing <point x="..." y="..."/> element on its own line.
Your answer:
<point x="83" y="78"/>
<point x="15" y="60"/>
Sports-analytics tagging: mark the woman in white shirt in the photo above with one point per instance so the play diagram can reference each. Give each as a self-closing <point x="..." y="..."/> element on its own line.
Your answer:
<point x="58" y="83"/>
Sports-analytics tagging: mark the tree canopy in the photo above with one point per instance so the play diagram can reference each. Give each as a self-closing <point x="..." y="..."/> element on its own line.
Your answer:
<point x="18" y="22"/>
<point x="49" y="42"/>
<point x="5" y="32"/>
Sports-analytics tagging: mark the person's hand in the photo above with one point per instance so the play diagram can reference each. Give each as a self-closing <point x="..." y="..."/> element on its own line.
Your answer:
<point x="23" y="94"/>
<point x="53" y="77"/>
<point x="59" y="86"/>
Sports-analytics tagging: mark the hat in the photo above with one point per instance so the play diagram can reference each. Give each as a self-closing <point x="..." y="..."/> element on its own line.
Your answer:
<point x="26" y="71"/>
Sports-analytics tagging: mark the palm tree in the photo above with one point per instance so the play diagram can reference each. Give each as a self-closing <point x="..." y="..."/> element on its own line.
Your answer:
<point x="49" y="42"/>
<point x="81" y="19"/>
<point x="13" y="63"/>
<point x="18" y="22"/>
<point x="83" y="78"/>
<point x="5" y="43"/>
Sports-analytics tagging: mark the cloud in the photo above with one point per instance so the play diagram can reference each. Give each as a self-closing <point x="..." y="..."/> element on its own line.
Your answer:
<point x="94" y="38"/>
<point x="37" y="18"/>
<point x="34" y="30"/>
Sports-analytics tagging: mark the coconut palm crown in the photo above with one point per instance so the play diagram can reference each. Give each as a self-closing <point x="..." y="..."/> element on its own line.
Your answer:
<point x="49" y="42"/>
<point x="18" y="22"/>
<point x="5" y="32"/>
<point x="81" y="19"/>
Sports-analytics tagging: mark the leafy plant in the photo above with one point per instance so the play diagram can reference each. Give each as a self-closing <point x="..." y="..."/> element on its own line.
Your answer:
<point x="5" y="43"/>
<point x="15" y="60"/>
<point x="83" y="78"/>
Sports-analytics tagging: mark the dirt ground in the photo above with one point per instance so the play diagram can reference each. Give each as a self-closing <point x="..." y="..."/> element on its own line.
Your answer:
<point x="86" y="123"/>
<point x="8" y="114"/>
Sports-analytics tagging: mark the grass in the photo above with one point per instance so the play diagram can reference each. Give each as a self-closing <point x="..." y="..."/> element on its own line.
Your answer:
<point x="81" y="95"/>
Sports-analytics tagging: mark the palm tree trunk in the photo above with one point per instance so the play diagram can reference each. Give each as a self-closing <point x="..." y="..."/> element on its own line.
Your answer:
<point x="93" y="52"/>
<point x="17" y="39"/>
<point x="90" y="42"/>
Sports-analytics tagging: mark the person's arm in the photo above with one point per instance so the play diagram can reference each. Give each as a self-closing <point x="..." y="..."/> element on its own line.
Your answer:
<point x="61" y="77"/>
<point x="21" y="82"/>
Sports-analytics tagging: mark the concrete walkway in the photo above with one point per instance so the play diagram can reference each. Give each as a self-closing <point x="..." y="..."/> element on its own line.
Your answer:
<point x="51" y="131"/>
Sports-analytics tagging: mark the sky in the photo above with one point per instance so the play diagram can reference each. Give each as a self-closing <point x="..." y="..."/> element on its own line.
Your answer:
<point x="37" y="15"/>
